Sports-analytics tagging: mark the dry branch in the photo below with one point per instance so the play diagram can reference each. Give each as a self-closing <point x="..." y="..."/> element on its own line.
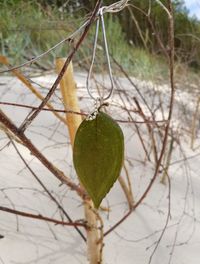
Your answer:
<point x="29" y="119"/>
<point x="60" y="207"/>
<point x="34" y="151"/>
<point x="40" y="217"/>
<point x="29" y="85"/>
<point x="194" y="124"/>
<point x="170" y="57"/>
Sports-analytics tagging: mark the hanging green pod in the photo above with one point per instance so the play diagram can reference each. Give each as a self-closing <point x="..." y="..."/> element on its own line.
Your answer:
<point x="98" y="155"/>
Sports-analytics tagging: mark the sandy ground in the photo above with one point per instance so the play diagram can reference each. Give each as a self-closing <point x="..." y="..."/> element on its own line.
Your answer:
<point x="27" y="241"/>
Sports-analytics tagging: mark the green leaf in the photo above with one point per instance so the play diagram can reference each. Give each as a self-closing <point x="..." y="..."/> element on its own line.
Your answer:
<point x="98" y="155"/>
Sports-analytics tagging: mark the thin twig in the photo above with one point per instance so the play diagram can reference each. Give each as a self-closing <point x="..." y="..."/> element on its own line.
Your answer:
<point x="164" y="144"/>
<point x="113" y="8"/>
<point x="44" y="109"/>
<point x="29" y="85"/>
<point x="69" y="38"/>
<point x="40" y="217"/>
<point x="167" y="219"/>
<point x="82" y="113"/>
<point x="29" y="119"/>
<point x="27" y="143"/>
<point x="45" y="188"/>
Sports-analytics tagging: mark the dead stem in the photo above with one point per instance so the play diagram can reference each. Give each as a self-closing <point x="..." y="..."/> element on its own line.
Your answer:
<point x="46" y="190"/>
<point x="40" y="217"/>
<point x="29" y="85"/>
<point x="34" y="151"/>
<point x="170" y="57"/>
<point x="29" y="119"/>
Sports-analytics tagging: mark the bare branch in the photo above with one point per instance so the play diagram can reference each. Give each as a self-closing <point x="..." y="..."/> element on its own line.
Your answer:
<point x="165" y="139"/>
<point x="113" y="8"/>
<point x="45" y="188"/>
<point x="83" y="114"/>
<point x="33" y="115"/>
<point x="40" y="217"/>
<point x="59" y="174"/>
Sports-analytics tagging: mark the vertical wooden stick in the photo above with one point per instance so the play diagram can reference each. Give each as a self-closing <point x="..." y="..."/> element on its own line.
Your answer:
<point x="68" y="90"/>
<point x="167" y="165"/>
<point x="194" y="124"/>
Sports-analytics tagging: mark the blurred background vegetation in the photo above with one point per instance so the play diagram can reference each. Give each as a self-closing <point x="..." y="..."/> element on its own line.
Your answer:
<point x="28" y="28"/>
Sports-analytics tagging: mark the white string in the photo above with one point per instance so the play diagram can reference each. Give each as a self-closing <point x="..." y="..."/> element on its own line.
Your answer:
<point x="107" y="54"/>
<point x="101" y="11"/>
<point x="115" y="7"/>
<point x="92" y="61"/>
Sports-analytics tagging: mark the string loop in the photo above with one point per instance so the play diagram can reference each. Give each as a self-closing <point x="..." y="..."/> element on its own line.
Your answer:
<point x="100" y="19"/>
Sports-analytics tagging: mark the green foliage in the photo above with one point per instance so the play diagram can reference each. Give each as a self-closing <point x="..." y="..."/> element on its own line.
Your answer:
<point x="28" y="28"/>
<point x="134" y="25"/>
<point x="187" y="29"/>
<point x="147" y="65"/>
